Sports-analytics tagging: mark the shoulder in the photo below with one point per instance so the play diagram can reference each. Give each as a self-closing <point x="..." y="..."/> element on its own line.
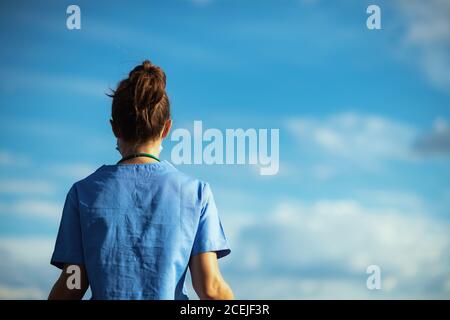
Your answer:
<point x="190" y="185"/>
<point x="88" y="179"/>
<point x="175" y="173"/>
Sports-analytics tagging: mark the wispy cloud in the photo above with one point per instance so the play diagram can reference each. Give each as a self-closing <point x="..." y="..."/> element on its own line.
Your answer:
<point x="22" y="293"/>
<point x="16" y="80"/>
<point x="25" y="272"/>
<point x="8" y="158"/>
<point x="73" y="171"/>
<point x="427" y="38"/>
<point x="130" y="42"/>
<point x="201" y="2"/>
<point x="364" y="142"/>
<point x="34" y="208"/>
<point x="363" y="138"/>
<point x="23" y="186"/>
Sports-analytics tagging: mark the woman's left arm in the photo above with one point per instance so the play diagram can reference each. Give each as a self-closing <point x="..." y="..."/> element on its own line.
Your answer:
<point x="71" y="284"/>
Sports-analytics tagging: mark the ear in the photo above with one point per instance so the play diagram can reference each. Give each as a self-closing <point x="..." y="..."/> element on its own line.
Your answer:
<point x="115" y="128"/>
<point x="166" y="129"/>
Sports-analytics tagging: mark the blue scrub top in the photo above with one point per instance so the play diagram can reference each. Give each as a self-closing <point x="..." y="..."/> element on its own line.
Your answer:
<point x="135" y="226"/>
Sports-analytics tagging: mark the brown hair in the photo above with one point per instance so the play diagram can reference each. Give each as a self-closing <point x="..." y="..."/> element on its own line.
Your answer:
<point x="140" y="105"/>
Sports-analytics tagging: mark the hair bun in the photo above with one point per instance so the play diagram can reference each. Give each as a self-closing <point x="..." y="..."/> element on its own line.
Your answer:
<point x="147" y="65"/>
<point x="140" y="103"/>
<point x="154" y="71"/>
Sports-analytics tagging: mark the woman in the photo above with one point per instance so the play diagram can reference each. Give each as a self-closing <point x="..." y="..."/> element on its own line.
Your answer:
<point x="131" y="230"/>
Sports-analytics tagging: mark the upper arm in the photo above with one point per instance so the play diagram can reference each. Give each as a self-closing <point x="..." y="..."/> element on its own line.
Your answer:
<point x="210" y="235"/>
<point x="71" y="284"/>
<point x="205" y="273"/>
<point x="69" y="244"/>
<point x="209" y="245"/>
<point x="75" y="275"/>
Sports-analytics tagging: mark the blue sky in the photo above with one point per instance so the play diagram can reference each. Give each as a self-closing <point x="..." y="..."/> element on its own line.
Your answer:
<point x="363" y="118"/>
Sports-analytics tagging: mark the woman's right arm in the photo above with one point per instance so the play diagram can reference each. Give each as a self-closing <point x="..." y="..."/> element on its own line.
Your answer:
<point x="207" y="280"/>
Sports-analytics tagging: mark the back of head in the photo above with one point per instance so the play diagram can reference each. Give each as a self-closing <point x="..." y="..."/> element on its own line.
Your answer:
<point x="140" y="105"/>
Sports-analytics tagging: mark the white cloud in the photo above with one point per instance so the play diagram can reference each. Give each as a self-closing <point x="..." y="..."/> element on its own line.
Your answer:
<point x="322" y="250"/>
<point x="427" y="32"/>
<point x="22" y="186"/>
<point x="364" y="141"/>
<point x="285" y="287"/>
<point x="33" y="208"/>
<point x="74" y="171"/>
<point x="404" y="201"/>
<point x="363" y="138"/>
<point x="27" y="293"/>
<point x="27" y="250"/>
<point x="323" y="172"/>
<point x="25" y="270"/>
